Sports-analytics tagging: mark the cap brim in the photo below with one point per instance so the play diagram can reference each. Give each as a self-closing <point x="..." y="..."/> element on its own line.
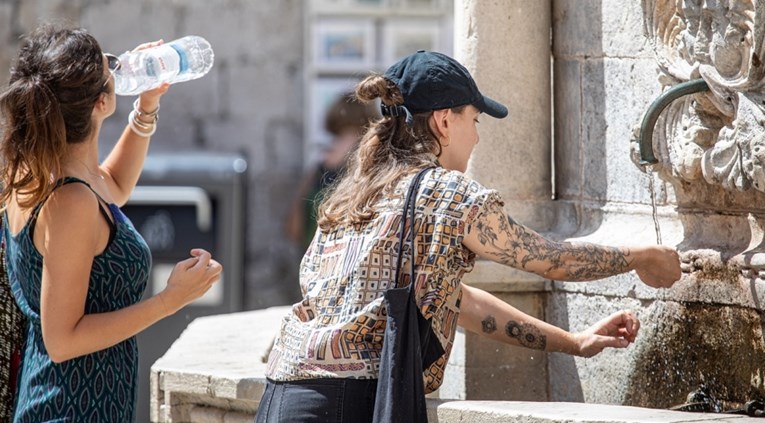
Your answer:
<point x="491" y="108"/>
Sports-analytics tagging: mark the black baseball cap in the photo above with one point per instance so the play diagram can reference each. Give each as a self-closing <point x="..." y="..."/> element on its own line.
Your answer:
<point x="432" y="81"/>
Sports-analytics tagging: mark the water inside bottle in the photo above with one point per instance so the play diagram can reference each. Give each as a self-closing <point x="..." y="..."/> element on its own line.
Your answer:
<point x="183" y="61"/>
<point x="164" y="62"/>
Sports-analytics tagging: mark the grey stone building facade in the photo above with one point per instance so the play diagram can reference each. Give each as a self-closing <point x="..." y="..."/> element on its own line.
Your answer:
<point x="251" y="102"/>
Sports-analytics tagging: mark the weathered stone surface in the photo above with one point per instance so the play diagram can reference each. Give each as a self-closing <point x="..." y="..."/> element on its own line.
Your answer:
<point x="692" y="345"/>
<point x="609" y="113"/>
<point x="518" y="77"/>
<point x="535" y="412"/>
<point x="597" y="28"/>
<point x="568" y="99"/>
<point x="714" y="136"/>
<point x="218" y="362"/>
<point x="577" y="28"/>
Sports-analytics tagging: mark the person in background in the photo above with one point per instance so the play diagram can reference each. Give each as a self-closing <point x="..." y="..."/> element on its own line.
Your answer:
<point x="76" y="265"/>
<point x="325" y="361"/>
<point x="346" y="120"/>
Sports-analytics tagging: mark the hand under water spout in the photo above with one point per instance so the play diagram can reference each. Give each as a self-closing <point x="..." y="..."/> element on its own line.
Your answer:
<point x="658" y="266"/>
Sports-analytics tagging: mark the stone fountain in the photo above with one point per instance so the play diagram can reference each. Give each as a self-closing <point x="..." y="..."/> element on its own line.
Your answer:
<point x="709" y="146"/>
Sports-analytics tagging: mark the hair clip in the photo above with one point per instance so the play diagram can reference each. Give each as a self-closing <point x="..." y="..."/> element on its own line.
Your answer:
<point x="397" y="110"/>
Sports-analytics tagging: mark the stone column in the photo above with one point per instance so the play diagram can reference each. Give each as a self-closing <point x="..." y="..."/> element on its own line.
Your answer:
<point x="506" y="46"/>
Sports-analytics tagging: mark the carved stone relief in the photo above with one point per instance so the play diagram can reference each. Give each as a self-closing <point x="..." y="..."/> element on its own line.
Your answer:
<point x="717" y="135"/>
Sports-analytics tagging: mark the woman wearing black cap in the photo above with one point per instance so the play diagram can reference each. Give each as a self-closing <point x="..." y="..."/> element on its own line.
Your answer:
<point x="327" y="360"/>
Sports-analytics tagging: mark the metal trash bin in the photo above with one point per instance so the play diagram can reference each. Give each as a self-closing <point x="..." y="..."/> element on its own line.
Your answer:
<point x="184" y="201"/>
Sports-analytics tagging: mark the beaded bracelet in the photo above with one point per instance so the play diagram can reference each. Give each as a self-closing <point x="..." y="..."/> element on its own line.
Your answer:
<point x="139" y="128"/>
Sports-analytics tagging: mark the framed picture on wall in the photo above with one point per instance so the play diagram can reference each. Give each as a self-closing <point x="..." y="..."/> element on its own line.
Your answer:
<point x="344" y="44"/>
<point x="325" y="5"/>
<point x="320" y="5"/>
<point x="368" y="3"/>
<point x="324" y="92"/>
<point x="404" y="37"/>
<point x="421" y="4"/>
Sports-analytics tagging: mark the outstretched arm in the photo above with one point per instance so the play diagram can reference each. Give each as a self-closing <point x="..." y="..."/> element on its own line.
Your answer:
<point x="484" y="314"/>
<point x="497" y="237"/>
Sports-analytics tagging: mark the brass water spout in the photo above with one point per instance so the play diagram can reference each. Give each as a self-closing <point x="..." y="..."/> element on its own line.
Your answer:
<point x="653" y="112"/>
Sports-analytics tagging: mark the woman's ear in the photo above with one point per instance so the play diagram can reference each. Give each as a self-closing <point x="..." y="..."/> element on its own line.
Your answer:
<point x="440" y="122"/>
<point x="101" y="105"/>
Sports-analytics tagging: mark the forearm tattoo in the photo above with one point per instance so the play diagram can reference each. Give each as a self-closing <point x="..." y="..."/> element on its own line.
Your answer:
<point x="514" y="245"/>
<point x="489" y="324"/>
<point x="527" y="335"/>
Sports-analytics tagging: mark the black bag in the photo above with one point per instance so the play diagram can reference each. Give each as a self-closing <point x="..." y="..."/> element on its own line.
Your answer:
<point x="410" y="344"/>
<point x="11" y="341"/>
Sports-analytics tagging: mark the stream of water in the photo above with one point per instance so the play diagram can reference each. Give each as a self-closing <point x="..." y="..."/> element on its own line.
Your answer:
<point x="652" y="190"/>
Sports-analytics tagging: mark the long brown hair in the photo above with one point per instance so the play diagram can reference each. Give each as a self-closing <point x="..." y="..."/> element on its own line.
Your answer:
<point x="389" y="150"/>
<point x="54" y="85"/>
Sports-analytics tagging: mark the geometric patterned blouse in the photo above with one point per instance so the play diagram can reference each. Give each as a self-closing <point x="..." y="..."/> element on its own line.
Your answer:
<point x="337" y="330"/>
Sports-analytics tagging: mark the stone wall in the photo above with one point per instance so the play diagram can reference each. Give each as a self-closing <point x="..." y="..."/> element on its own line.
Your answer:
<point x="604" y="77"/>
<point x="250" y="103"/>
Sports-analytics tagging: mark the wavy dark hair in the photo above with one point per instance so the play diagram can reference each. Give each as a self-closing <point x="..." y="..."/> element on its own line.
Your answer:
<point x="55" y="82"/>
<point x="389" y="150"/>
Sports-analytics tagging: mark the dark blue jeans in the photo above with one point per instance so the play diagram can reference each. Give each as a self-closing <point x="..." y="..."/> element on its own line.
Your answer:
<point x="318" y="400"/>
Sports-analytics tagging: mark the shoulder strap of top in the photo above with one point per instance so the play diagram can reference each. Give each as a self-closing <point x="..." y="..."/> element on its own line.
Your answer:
<point x="66" y="181"/>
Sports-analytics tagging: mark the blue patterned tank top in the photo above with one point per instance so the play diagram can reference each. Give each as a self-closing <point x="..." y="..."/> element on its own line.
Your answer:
<point x="97" y="387"/>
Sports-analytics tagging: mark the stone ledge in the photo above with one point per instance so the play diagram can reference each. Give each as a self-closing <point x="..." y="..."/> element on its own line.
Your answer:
<point x="218" y="363"/>
<point x="553" y="412"/>
<point x="214" y="373"/>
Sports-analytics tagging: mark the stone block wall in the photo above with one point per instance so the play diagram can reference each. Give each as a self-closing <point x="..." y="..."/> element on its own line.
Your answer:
<point x="604" y="79"/>
<point x="250" y="103"/>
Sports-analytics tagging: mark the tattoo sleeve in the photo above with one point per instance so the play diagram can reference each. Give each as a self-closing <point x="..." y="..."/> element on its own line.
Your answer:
<point x="527" y="335"/>
<point x="505" y="241"/>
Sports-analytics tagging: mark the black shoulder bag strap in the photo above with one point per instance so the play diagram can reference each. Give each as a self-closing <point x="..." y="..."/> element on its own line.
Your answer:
<point x="410" y="344"/>
<point x="410" y="206"/>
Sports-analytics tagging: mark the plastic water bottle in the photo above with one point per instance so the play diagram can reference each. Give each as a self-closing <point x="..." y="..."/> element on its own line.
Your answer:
<point x="184" y="59"/>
